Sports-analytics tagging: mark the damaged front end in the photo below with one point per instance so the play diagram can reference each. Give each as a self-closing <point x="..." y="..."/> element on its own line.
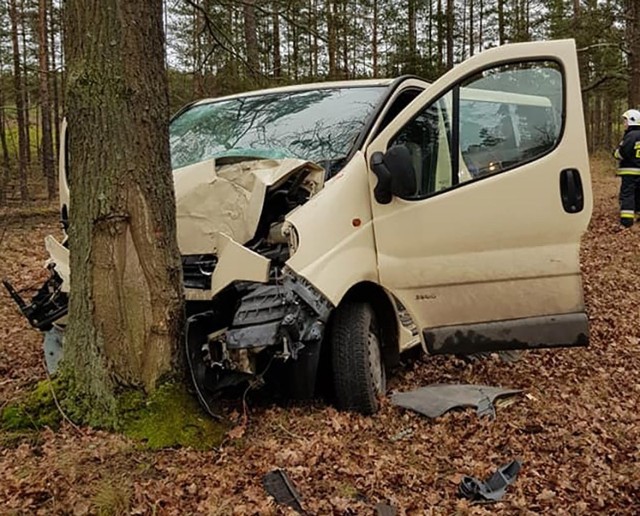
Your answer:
<point x="47" y="310"/>
<point x="47" y="306"/>
<point x="50" y="304"/>
<point x="282" y="321"/>
<point x="246" y="310"/>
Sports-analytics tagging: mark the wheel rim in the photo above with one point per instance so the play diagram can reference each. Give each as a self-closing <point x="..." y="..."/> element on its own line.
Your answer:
<point x="378" y="376"/>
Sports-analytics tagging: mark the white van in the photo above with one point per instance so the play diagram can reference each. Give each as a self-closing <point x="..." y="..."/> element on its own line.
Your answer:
<point x="326" y="228"/>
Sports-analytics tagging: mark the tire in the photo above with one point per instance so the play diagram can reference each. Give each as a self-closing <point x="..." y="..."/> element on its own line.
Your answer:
<point x="358" y="369"/>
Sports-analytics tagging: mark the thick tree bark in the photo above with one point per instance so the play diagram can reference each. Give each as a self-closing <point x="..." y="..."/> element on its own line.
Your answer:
<point x="19" y="96"/>
<point x="125" y="312"/>
<point x="45" y="106"/>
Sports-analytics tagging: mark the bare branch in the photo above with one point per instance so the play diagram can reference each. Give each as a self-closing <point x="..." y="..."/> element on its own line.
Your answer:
<point x="281" y="13"/>
<point x="215" y="31"/>
<point x="603" y="79"/>
<point x="601" y="45"/>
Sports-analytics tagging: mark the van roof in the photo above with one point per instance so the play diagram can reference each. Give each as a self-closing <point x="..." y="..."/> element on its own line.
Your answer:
<point x="303" y="87"/>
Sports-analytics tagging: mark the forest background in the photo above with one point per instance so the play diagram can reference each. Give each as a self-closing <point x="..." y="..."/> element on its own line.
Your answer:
<point x="218" y="47"/>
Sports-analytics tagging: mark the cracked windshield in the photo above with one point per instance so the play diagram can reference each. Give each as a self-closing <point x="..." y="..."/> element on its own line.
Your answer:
<point x="320" y="126"/>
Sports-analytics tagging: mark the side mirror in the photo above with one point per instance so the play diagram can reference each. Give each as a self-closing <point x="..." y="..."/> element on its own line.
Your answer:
<point x="395" y="173"/>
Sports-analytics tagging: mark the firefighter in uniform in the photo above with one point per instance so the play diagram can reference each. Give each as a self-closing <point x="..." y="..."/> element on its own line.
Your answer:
<point x="628" y="154"/>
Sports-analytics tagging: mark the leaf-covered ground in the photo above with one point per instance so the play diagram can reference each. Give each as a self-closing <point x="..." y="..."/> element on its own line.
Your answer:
<point x="577" y="429"/>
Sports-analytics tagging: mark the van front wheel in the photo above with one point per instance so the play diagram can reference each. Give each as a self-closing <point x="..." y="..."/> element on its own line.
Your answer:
<point x="358" y="370"/>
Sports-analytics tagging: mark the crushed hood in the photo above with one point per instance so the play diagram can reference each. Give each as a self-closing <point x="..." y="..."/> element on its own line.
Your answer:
<point x="228" y="199"/>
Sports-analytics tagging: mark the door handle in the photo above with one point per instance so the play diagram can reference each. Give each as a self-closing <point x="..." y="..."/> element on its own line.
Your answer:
<point x="571" y="191"/>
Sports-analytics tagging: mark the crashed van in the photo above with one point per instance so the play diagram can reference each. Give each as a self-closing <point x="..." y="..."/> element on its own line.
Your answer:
<point x="326" y="228"/>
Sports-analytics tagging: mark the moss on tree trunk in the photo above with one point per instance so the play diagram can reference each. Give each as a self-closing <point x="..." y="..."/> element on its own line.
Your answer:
<point x="126" y="306"/>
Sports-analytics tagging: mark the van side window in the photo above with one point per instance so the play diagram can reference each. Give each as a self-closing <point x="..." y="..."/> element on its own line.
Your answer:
<point x="428" y="137"/>
<point x="402" y="101"/>
<point x="492" y="122"/>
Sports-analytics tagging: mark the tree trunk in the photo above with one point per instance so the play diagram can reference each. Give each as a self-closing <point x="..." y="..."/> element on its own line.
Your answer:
<point x="294" y="60"/>
<point x="501" y="28"/>
<point x="6" y="163"/>
<point x="25" y="85"/>
<point x="125" y="313"/>
<point x="251" y="38"/>
<point x="608" y="117"/>
<point x="471" y="40"/>
<point x="198" y="71"/>
<point x="450" y="19"/>
<point x="54" y="81"/>
<point x="463" y="43"/>
<point x="633" y="40"/>
<point x="62" y="67"/>
<point x="480" y="26"/>
<point x="598" y="129"/>
<point x="333" y="37"/>
<point x="19" y="94"/>
<point x="430" y="33"/>
<point x="316" y="45"/>
<point x="374" y="39"/>
<point x="440" y="38"/>
<point x="344" y="25"/>
<point x="411" y="68"/>
<point x="45" y="107"/>
<point x="277" y="58"/>
<point x="311" y="24"/>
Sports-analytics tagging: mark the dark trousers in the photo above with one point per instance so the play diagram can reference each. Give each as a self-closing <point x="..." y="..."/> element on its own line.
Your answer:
<point x="629" y="199"/>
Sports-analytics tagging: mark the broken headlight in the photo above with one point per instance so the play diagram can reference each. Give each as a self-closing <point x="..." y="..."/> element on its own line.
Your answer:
<point x="289" y="231"/>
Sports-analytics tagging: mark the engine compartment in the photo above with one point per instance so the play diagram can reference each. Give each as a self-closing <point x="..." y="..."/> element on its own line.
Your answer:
<point x="249" y="325"/>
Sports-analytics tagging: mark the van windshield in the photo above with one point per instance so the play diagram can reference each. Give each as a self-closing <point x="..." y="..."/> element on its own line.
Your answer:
<point x="319" y="125"/>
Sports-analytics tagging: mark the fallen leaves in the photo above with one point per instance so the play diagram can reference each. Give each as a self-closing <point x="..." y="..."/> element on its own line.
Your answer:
<point x="576" y="429"/>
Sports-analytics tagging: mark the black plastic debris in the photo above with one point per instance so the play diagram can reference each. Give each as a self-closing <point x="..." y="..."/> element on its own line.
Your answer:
<point x="278" y="485"/>
<point x="434" y="400"/>
<point x="493" y="488"/>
